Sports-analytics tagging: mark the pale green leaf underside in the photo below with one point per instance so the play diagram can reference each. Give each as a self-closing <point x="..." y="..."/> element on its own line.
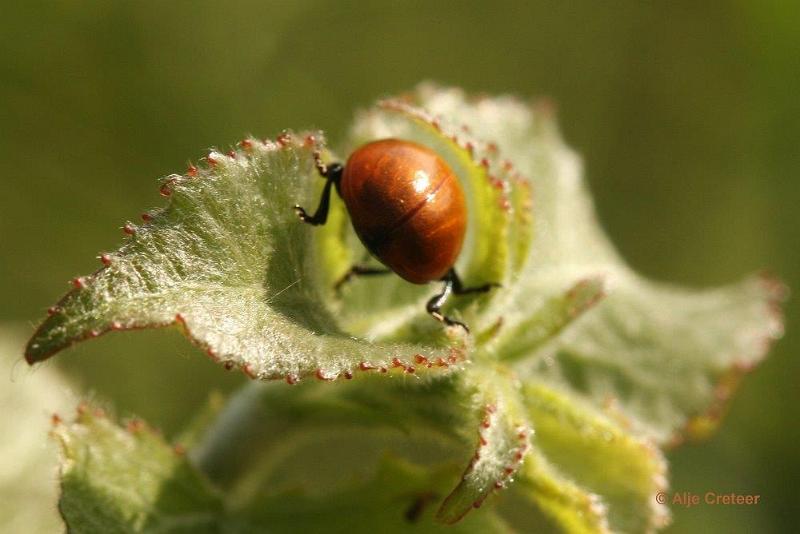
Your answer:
<point x="129" y="480"/>
<point x="260" y="434"/>
<point x="349" y="428"/>
<point x="399" y="498"/>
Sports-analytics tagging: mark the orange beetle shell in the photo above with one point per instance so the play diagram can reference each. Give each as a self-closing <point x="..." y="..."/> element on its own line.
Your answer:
<point x="406" y="206"/>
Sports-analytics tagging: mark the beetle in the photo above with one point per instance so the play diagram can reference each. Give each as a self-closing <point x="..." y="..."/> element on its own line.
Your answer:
<point x="408" y="209"/>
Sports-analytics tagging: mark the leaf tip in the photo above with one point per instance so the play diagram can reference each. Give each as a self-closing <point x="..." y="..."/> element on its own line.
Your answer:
<point x="37" y="349"/>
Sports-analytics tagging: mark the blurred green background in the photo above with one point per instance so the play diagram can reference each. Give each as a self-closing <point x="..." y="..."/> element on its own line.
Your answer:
<point x="687" y="115"/>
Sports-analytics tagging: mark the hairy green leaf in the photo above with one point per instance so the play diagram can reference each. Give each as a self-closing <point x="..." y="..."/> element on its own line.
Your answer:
<point x="577" y="367"/>
<point x="228" y="262"/>
<point x="129" y="480"/>
<point x="570" y="507"/>
<point x="665" y="357"/>
<point x="503" y="434"/>
<point x="626" y="470"/>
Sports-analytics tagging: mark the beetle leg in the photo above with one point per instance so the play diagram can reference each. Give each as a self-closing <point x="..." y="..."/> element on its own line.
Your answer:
<point x="459" y="289"/>
<point x="359" y="270"/>
<point x="435" y="304"/>
<point x="321" y="215"/>
<point x="332" y="173"/>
